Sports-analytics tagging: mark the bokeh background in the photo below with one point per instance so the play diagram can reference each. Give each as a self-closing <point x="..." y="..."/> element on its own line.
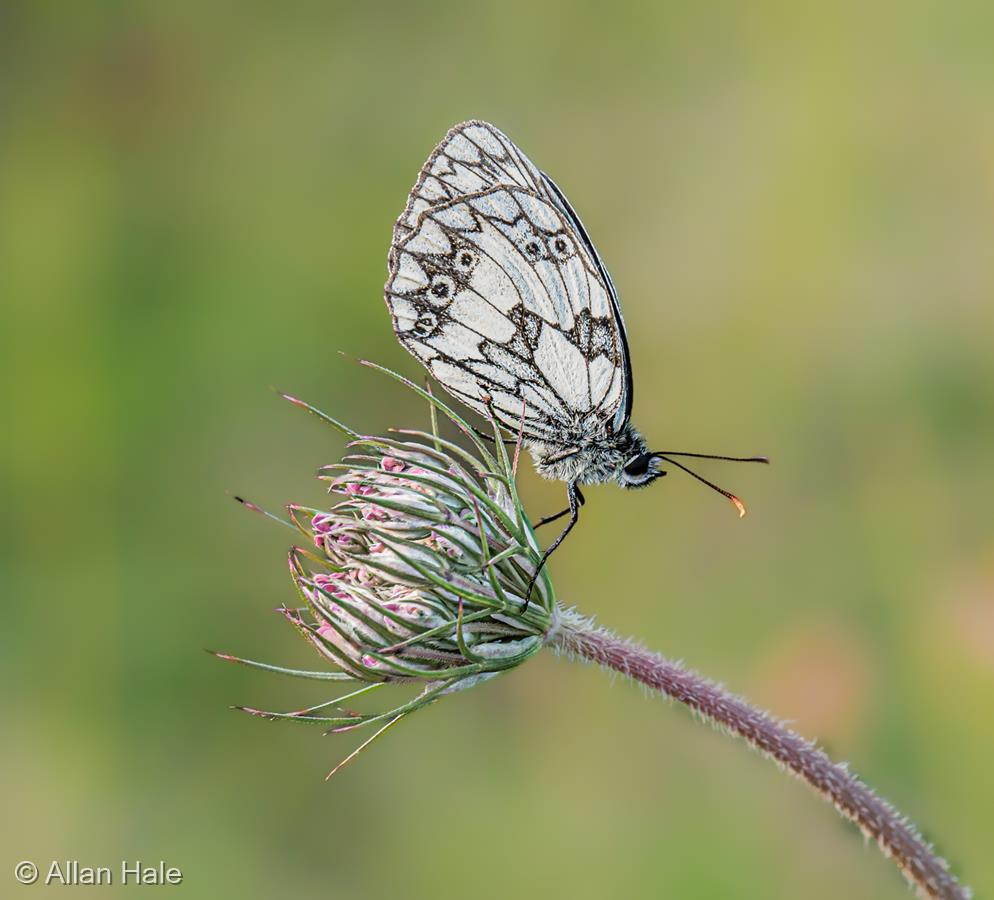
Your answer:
<point x="796" y="203"/>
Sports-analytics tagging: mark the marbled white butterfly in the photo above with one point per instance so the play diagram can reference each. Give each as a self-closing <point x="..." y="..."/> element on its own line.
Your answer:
<point x="495" y="287"/>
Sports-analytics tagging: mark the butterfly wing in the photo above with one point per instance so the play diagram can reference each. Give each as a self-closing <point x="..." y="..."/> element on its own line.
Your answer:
<point x="471" y="158"/>
<point x="496" y="288"/>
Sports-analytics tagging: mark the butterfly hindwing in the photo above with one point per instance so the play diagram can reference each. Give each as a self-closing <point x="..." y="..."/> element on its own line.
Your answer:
<point x="498" y="297"/>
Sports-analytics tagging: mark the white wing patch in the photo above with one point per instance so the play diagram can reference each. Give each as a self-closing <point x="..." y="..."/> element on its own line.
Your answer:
<point x="488" y="321"/>
<point x="497" y="205"/>
<point x="539" y="213"/>
<point x="429" y="239"/>
<point x="495" y="288"/>
<point x="564" y="368"/>
<point x="456" y="342"/>
<point x="601" y="372"/>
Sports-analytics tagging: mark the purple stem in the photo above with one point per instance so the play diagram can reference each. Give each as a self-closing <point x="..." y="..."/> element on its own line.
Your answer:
<point x="577" y="636"/>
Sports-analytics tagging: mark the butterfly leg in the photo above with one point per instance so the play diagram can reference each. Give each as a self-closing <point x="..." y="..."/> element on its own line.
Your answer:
<point x="489" y="437"/>
<point x="575" y="502"/>
<point x="545" y="520"/>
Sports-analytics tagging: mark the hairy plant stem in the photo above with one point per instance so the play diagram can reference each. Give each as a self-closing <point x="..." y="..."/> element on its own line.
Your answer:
<point x="578" y="637"/>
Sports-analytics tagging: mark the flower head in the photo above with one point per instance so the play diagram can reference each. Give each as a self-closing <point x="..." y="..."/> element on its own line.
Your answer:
<point x="418" y="571"/>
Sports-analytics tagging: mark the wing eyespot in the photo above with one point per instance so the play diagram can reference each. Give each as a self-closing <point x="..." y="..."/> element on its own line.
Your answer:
<point x="465" y="261"/>
<point x="425" y="325"/>
<point x="441" y="290"/>
<point x="561" y="247"/>
<point x="533" y="248"/>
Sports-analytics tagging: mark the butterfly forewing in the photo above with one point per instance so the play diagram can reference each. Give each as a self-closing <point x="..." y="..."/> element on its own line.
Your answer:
<point x="497" y="290"/>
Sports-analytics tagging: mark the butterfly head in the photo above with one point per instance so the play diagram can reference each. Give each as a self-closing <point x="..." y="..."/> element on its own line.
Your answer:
<point x="637" y="466"/>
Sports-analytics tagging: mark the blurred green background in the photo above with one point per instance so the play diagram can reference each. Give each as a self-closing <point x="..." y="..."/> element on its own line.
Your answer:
<point x="797" y="204"/>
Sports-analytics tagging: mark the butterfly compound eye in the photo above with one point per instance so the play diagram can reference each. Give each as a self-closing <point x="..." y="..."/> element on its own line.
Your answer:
<point x="639" y="465"/>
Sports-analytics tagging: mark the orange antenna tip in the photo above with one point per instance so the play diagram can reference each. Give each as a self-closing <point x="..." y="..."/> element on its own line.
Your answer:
<point x="739" y="505"/>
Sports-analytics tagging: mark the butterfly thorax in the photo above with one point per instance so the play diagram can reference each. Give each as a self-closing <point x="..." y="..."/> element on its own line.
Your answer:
<point x="591" y="459"/>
